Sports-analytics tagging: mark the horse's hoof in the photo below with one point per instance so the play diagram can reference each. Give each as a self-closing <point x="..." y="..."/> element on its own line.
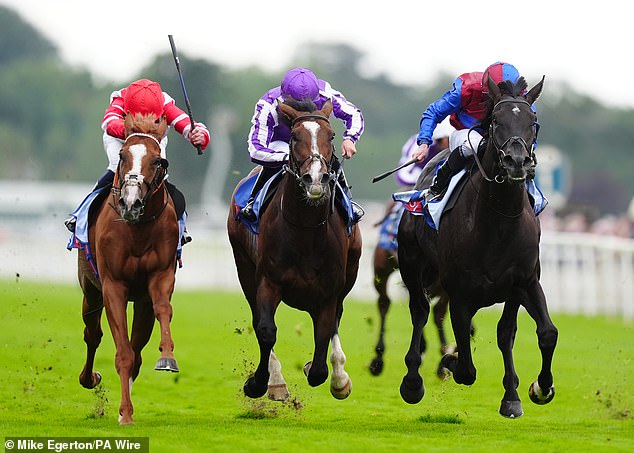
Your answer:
<point x="376" y="367"/>
<point x="443" y="373"/>
<point x="342" y="393"/>
<point x="412" y="395"/>
<point x="537" y="395"/>
<point x="167" y="364"/>
<point x="278" y="392"/>
<point x="251" y="389"/>
<point x="94" y="381"/>
<point x="307" y="368"/>
<point x="511" y="409"/>
<point x="125" y="420"/>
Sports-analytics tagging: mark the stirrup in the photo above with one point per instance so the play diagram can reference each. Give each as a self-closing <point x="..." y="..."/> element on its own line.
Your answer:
<point x="247" y="212"/>
<point x="357" y="212"/>
<point x="70" y="223"/>
<point x="186" y="238"/>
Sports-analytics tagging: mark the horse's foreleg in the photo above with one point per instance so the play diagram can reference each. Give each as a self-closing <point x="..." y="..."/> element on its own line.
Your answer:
<point x="277" y="386"/>
<point x="92" y="307"/>
<point x="115" y="299"/>
<point x="142" y="325"/>
<point x="384" y="302"/>
<point x="340" y="383"/>
<point x="542" y="391"/>
<point x="160" y="289"/>
<point x="511" y="405"/>
<point x="263" y="311"/>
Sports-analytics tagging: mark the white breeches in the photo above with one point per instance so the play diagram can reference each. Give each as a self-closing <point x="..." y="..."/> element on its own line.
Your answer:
<point x="468" y="142"/>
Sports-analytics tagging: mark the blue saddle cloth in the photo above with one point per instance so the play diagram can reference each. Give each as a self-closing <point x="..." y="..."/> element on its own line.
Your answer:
<point x="243" y="192"/>
<point x="79" y="238"/>
<point x="389" y="228"/>
<point x="414" y="200"/>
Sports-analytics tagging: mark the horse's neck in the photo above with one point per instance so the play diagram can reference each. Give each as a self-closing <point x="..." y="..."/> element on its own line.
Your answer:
<point x="294" y="207"/>
<point x="500" y="198"/>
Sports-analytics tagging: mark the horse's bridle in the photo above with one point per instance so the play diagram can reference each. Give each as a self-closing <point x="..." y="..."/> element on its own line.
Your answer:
<point x="137" y="180"/>
<point x="294" y="166"/>
<point x="530" y="150"/>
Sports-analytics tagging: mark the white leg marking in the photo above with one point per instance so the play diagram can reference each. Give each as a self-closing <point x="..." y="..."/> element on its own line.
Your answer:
<point x="338" y="359"/>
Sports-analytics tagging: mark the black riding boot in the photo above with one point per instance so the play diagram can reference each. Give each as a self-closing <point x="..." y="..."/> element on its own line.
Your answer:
<point x="106" y="179"/>
<point x="454" y="163"/>
<point x="357" y="211"/>
<point x="265" y="174"/>
<point x="180" y="206"/>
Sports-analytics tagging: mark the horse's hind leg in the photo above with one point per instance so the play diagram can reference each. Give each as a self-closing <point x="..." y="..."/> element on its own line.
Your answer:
<point x="464" y="372"/>
<point x="324" y="329"/>
<point x="277" y="389"/>
<point x="160" y="289"/>
<point x="542" y="391"/>
<point x="511" y="405"/>
<point x="92" y="307"/>
<point x="142" y="325"/>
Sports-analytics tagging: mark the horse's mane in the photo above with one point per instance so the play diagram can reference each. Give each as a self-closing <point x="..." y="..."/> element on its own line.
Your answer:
<point x="145" y="124"/>
<point x="507" y="88"/>
<point x="301" y="106"/>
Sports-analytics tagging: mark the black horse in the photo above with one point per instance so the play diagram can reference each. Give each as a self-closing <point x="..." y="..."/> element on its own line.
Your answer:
<point x="486" y="251"/>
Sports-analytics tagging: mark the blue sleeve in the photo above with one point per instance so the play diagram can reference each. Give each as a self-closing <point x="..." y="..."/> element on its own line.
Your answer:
<point x="438" y="110"/>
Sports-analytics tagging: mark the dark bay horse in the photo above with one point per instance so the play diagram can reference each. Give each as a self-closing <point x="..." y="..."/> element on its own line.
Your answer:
<point x="134" y="241"/>
<point x="302" y="256"/>
<point x="486" y="251"/>
<point x="384" y="264"/>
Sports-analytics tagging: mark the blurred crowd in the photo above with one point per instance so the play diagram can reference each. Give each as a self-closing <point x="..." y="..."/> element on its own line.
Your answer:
<point x="585" y="220"/>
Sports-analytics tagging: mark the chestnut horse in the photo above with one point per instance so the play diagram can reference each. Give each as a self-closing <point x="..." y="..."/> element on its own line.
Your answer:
<point x="384" y="264"/>
<point x="133" y="240"/>
<point x="302" y="255"/>
<point x="486" y="251"/>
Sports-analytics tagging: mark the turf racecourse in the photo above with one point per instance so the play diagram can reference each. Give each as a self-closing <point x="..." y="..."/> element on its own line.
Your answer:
<point x="203" y="407"/>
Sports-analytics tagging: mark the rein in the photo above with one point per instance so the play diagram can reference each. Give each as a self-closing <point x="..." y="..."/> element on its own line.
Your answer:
<point x="158" y="181"/>
<point x="294" y="166"/>
<point x="500" y="148"/>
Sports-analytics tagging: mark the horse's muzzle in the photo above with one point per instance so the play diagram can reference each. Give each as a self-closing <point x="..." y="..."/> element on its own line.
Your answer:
<point x="316" y="188"/>
<point x="517" y="167"/>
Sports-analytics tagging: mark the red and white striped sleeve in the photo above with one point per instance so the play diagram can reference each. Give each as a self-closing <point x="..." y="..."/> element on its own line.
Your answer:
<point x="112" y="123"/>
<point x="180" y="120"/>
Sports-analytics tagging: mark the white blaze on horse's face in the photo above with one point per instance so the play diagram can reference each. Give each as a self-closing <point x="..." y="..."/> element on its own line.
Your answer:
<point x="315" y="189"/>
<point x="133" y="180"/>
<point x="516" y="110"/>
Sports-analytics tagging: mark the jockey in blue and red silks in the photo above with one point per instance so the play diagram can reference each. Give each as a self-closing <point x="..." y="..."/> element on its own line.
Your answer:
<point x="465" y="104"/>
<point x="269" y="138"/>
<point x="143" y="97"/>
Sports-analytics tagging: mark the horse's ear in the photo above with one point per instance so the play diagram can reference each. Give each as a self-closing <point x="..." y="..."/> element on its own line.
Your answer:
<point x="534" y="93"/>
<point x="326" y="110"/>
<point x="288" y="111"/>
<point x="128" y="124"/>
<point x="494" y="89"/>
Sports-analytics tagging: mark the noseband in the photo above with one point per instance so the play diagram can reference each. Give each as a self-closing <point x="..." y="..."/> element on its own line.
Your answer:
<point x="530" y="150"/>
<point x="131" y="180"/>
<point x="294" y="166"/>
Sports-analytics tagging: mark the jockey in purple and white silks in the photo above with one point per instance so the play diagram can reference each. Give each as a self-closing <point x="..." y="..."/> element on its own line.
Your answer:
<point x="465" y="104"/>
<point x="268" y="141"/>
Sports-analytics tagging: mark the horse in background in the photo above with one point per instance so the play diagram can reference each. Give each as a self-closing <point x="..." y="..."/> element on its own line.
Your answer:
<point x="485" y="251"/>
<point x="302" y="255"/>
<point x="384" y="264"/>
<point x="133" y="242"/>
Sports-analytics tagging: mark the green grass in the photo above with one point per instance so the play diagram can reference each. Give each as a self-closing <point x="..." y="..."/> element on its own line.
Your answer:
<point x="203" y="407"/>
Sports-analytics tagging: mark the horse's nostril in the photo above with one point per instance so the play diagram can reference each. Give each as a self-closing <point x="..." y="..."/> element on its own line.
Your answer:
<point x="325" y="178"/>
<point x="307" y="179"/>
<point x="508" y="161"/>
